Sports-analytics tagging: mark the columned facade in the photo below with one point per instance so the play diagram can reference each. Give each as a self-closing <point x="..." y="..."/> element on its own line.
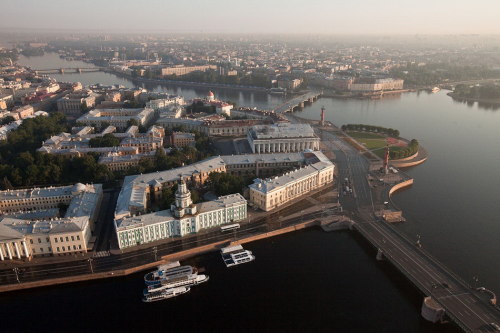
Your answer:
<point x="270" y="194"/>
<point x="284" y="147"/>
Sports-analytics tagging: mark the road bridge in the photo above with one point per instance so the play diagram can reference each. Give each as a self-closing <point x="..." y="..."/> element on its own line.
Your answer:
<point x="67" y="70"/>
<point x="297" y="102"/>
<point x="451" y="295"/>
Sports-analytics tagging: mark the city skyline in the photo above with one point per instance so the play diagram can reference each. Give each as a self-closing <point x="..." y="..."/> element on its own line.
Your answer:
<point x="223" y="16"/>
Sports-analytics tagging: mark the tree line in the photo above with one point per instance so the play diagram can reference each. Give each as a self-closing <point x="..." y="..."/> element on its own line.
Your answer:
<point x="482" y="91"/>
<point x="370" y="128"/>
<point x="408" y="151"/>
<point x="22" y="165"/>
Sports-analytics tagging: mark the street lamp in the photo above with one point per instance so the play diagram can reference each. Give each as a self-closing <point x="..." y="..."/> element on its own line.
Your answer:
<point x="16" y="270"/>
<point x="155" y="252"/>
<point x="90" y="264"/>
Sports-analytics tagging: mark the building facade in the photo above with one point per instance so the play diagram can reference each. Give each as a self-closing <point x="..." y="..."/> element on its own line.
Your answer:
<point x="31" y="224"/>
<point x="73" y="104"/>
<point x="283" y="137"/>
<point x="268" y="194"/>
<point x="182" y="139"/>
<point x="182" y="219"/>
<point x="118" y="118"/>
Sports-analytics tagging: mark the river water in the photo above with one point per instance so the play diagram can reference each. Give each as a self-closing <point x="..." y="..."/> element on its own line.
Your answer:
<point x="310" y="280"/>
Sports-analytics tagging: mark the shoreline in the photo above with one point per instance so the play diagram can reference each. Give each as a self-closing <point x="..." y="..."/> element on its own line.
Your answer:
<point x="185" y="83"/>
<point x="177" y="256"/>
<point x="495" y="101"/>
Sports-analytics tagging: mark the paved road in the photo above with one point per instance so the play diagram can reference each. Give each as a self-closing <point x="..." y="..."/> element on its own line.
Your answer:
<point x="462" y="304"/>
<point x="144" y="256"/>
<point x="294" y="102"/>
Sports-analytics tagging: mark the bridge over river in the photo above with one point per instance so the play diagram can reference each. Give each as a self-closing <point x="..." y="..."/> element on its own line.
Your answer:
<point x="297" y="102"/>
<point x="67" y="70"/>
<point x="446" y="293"/>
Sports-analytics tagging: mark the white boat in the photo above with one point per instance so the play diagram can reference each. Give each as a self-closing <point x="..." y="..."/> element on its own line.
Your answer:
<point x="164" y="294"/>
<point x="168" y="271"/>
<point x="435" y="89"/>
<point x="235" y="255"/>
<point x="179" y="281"/>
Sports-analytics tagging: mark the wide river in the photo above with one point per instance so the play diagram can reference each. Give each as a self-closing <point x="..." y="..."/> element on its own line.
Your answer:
<point x="310" y="280"/>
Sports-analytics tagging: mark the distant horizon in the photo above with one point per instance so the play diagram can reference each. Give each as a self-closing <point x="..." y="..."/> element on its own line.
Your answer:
<point x="356" y="17"/>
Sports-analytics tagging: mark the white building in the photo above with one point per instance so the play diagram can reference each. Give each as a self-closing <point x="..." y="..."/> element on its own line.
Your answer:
<point x="31" y="224"/>
<point x="116" y="117"/>
<point x="139" y="191"/>
<point x="282" y="137"/>
<point x="268" y="194"/>
<point x="159" y="104"/>
<point x="182" y="219"/>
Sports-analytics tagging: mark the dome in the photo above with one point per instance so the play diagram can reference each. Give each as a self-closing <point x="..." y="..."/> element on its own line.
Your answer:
<point x="79" y="187"/>
<point x="210" y="93"/>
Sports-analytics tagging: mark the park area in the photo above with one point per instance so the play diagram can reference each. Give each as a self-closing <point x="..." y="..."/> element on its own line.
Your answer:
<point x="376" y="142"/>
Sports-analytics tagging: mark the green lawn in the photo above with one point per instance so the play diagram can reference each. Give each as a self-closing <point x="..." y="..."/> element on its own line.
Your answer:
<point x="372" y="141"/>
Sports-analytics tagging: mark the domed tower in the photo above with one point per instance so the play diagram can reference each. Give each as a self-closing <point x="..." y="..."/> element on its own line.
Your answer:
<point x="183" y="202"/>
<point x="210" y="96"/>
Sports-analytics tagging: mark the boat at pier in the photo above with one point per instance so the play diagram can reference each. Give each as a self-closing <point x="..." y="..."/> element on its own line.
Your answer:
<point x="174" y="275"/>
<point x="236" y="255"/>
<point x="164" y="294"/>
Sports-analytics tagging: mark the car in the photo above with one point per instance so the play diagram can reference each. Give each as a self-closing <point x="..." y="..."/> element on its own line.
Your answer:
<point x="495" y="326"/>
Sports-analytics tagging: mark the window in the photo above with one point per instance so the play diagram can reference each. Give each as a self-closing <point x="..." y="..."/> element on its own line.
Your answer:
<point x="78" y="237"/>
<point x="39" y="240"/>
<point x="50" y="249"/>
<point x="41" y="249"/>
<point x="72" y="238"/>
<point x="74" y="247"/>
<point x="55" y="238"/>
<point x="67" y="239"/>
<point x="48" y="240"/>
<point x="61" y="239"/>
<point x="31" y="241"/>
<point x="58" y="249"/>
<point x="63" y="248"/>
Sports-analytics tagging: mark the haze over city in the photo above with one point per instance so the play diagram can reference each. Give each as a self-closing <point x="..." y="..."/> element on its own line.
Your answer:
<point x="258" y="16"/>
<point x="249" y="166"/>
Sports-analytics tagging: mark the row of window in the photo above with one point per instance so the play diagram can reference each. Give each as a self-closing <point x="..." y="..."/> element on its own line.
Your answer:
<point x="47" y="239"/>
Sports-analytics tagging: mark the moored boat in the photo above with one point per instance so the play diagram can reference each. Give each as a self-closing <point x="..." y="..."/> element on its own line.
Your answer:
<point x="164" y="294"/>
<point x="236" y="255"/>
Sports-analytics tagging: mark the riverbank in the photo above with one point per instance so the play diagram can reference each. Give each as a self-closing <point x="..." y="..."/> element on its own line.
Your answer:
<point x="185" y="83"/>
<point x="182" y="255"/>
<point x="490" y="101"/>
<point x="375" y="95"/>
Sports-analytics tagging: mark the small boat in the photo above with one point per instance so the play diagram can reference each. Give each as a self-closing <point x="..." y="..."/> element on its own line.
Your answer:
<point x="236" y="255"/>
<point x="164" y="294"/>
<point x="435" y="89"/>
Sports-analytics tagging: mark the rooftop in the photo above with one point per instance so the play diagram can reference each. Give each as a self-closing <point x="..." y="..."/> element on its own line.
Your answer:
<point x="281" y="131"/>
<point x="268" y="185"/>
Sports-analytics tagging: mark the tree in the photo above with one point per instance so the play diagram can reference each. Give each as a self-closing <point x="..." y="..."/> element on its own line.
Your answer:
<point x="7" y="120"/>
<point x="108" y="140"/>
<point x="132" y="122"/>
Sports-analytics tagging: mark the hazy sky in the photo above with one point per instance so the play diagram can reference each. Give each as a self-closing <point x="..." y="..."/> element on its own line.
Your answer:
<point x="257" y="16"/>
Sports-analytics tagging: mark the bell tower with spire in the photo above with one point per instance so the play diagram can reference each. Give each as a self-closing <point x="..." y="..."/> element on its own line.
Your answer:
<point x="183" y="202"/>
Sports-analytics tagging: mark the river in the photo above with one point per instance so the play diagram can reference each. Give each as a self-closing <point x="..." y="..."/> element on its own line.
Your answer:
<point x="310" y="280"/>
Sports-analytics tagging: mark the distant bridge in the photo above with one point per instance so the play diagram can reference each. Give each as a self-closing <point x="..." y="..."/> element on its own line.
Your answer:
<point x="67" y="70"/>
<point x="297" y="102"/>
